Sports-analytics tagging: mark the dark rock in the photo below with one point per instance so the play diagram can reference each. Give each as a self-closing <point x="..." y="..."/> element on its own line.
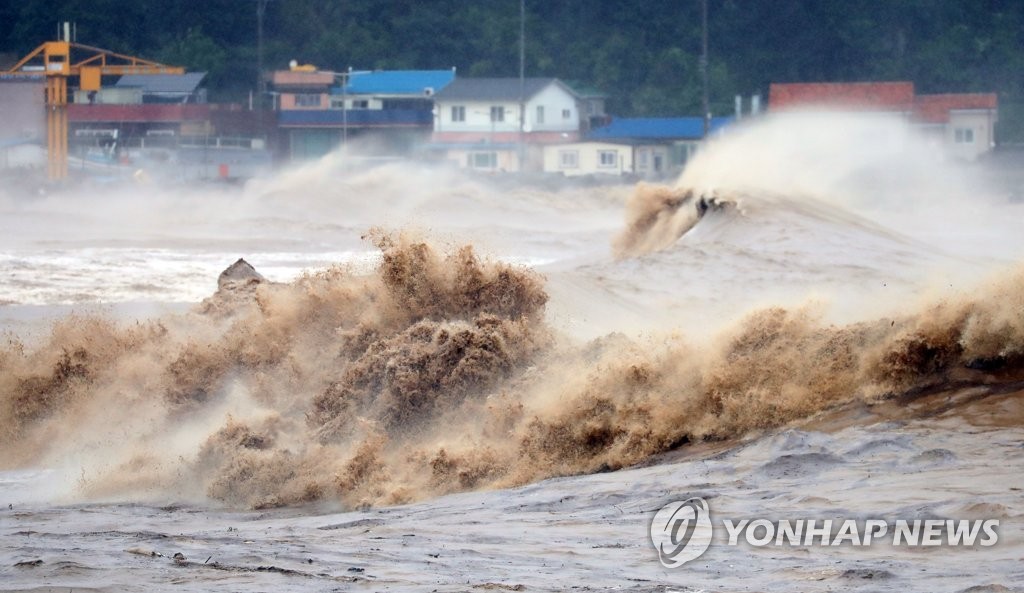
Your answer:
<point x="240" y="272"/>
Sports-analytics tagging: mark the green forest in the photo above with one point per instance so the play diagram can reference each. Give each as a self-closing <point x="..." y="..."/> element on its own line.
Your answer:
<point x="644" y="54"/>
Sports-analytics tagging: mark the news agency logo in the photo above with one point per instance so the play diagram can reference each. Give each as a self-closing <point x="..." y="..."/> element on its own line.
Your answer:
<point x="681" y="531"/>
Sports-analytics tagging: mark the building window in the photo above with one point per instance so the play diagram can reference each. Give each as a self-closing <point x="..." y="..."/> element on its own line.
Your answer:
<point x="497" y="113"/>
<point x="607" y="158"/>
<point x="568" y="159"/>
<point x="339" y="103"/>
<point x="458" y="113"/>
<point x="540" y="114"/>
<point x="412" y="104"/>
<point x="566" y="113"/>
<point x="964" y="136"/>
<point x="642" y="158"/>
<point x="483" y="160"/>
<point x="307" y="100"/>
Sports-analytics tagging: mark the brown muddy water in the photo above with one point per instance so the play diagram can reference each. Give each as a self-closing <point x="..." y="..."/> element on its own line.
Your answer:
<point x="437" y="382"/>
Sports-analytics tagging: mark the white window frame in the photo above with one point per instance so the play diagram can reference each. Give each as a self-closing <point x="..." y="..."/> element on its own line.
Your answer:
<point x="540" y="114"/>
<point x="601" y="161"/>
<point x="567" y="114"/>
<point x="497" y="113"/>
<point x="568" y="159"/>
<point x="458" y="113"/>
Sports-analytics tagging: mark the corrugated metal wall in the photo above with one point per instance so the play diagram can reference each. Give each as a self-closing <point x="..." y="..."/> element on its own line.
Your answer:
<point x="22" y="110"/>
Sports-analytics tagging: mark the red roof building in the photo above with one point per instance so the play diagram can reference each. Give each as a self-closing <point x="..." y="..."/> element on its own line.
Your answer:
<point x="936" y="109"/>
<point x="859" y="96"/>
<point x="963" y="122"/>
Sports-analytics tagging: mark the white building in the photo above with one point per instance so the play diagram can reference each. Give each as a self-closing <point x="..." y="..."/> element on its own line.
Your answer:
<point x="503" y="124"/>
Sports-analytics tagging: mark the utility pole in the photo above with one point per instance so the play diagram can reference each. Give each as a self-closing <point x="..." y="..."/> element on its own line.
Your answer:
<point x="522" y="83"/>
<point x="261" y="82"/>
<point x="345" y="79"/>
<point x="706" y="116"/>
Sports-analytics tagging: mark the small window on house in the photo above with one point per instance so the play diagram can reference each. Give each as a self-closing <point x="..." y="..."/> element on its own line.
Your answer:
<point x="307" y="100"/>
<point x="361" y="104"/>
<point x="568" y="159"/>
<point x="483" y="160"/>
<point x="607" y="158"/>
<point x="642" y="159"/>
<point x="497" y="113"/>
<point x="964" y="136"/>
<point x="566" y="113"/>
<point x="337" y="103"/>
<point x="458" y="113"/>
<point x="540" y="114"/>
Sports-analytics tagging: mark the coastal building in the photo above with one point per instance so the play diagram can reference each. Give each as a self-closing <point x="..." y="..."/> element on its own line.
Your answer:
<point x="504" y="124"/>
<point x="388" y="112"/>
<point x="138" y="89"/>
<point x="962" y="123"/>
<point x="163" y="123"/>
<point x="651" y="147"/>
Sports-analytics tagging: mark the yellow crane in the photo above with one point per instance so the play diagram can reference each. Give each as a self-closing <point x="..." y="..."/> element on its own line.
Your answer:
<point x="53" y="60"/>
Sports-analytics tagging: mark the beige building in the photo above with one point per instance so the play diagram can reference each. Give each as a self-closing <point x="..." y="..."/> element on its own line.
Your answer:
<point x="589" y="158"/>
<point x="649" y="147"/>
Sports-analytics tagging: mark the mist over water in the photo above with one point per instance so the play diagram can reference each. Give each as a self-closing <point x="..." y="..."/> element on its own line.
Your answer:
<point x="422" y="332"/>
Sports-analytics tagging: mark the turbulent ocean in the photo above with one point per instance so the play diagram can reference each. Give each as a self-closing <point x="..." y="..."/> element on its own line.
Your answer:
<point x="407" y="377"/>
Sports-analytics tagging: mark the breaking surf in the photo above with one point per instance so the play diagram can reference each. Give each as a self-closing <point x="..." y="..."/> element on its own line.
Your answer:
<point x="429" y="368"/>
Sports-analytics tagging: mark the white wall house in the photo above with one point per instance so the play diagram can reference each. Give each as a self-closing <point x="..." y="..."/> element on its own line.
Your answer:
<point x="478" y="122"/>
<point x="970" y="132"/>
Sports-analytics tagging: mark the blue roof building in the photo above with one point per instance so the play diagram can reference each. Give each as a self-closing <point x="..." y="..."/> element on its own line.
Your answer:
<point x="416" y="83"/>
<point x="359" y="118"/>
<point x="388" y="112"/>
<point x="652" y="147"/>
<point x="656" y="128"/>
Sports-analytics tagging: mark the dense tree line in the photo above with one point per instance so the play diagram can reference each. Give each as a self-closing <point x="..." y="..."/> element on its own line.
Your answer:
<point x="643" y="54"/>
